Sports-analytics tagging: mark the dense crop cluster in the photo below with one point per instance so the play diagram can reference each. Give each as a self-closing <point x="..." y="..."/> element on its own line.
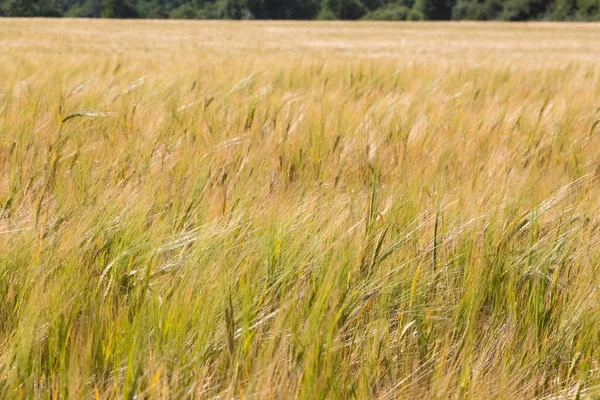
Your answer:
<point x="245" y="210"/>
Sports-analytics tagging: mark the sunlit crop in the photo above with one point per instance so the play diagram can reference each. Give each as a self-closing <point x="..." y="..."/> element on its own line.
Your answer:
<point x="299" y="210"/>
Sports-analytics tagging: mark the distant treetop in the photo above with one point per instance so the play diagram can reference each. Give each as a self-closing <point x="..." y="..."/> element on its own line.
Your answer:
<point x="390" y="10"/>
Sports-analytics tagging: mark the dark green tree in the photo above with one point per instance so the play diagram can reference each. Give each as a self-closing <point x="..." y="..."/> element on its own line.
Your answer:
<point x="588" y="10"/>
<point x="374" y="4"/>
<point x="22" y="8"/>
<point x="512" y="10"/>
<point x="284" y="9"/>
<point x="184" y="11"/>
<point x="389" y="12"/>
<point x="346" y="9"/>
<point x="87" y="9"/>
<point x="435" y="10"/>
<point x="477" y="10"/>
<point x="562" y="10"/>
<point x="520" y="10"/>
<point x="118" y="9"/>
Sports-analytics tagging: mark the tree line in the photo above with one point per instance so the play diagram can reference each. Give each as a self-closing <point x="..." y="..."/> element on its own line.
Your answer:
<point x="395" y="10"/>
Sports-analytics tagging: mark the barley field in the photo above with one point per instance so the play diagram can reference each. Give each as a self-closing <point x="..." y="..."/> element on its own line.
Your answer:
<point x="220" y="210"/>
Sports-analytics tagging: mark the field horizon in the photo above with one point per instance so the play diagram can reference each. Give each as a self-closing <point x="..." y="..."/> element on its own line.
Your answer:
<point x="307" y="210"/>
